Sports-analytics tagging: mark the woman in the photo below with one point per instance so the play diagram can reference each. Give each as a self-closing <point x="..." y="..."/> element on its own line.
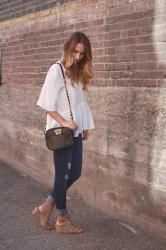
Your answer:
<point x="76" y="62"/>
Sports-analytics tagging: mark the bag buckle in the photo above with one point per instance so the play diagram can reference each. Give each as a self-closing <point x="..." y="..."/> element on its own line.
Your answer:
<point x="58" y="131"/>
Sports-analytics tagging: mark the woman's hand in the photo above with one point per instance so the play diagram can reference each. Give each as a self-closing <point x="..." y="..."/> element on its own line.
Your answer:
<point x="85" y="135"/>
<point x="70" y="124"/>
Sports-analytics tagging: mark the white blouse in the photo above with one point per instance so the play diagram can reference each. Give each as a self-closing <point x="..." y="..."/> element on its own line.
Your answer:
<point x="53" y="98"/>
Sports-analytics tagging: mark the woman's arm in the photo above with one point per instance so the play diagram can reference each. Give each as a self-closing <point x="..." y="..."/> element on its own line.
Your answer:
<point x="56" y="116"/>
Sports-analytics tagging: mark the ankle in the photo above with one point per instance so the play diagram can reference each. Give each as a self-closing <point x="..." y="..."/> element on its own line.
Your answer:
<point x="63" y="219"/>
<point x="62" y="212"/>
<point x="46" y="207"/>
<point x="41" y="208"/>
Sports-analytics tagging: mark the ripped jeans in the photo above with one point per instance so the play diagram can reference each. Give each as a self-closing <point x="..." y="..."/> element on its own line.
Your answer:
<point x="68" y="165"/>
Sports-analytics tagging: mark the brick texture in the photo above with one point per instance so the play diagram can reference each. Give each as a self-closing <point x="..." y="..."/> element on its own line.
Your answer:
<point x="17" y="8"/>
<point x="121" y="33"/>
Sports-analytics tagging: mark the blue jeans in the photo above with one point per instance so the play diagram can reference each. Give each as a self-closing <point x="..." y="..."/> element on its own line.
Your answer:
<point x="68" y="165"/>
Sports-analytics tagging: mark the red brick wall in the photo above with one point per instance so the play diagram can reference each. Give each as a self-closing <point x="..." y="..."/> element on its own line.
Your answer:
<point x="121" y="33"/>
<point x="15" y="8"/>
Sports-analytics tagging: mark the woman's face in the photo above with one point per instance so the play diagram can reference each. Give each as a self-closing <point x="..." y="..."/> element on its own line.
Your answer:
<point x="78" y="52"/>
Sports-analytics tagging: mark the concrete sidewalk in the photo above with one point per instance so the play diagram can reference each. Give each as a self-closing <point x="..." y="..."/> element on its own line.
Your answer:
<point x="18" y="230"/>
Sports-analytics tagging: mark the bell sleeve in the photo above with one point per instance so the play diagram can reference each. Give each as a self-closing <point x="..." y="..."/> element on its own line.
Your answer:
<point x="87" y="119"/>
<point x="49" y="93"/>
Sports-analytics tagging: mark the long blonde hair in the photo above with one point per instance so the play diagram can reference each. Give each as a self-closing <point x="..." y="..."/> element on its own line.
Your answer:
<point x="82" y="71"/>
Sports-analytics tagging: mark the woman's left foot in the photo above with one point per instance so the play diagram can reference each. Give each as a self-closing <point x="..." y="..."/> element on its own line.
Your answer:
<point x="65" y="226"/>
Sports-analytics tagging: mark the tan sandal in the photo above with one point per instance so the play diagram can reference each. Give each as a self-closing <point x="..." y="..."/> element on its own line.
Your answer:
<point x="65" y="226"/>
<point x="42" y="215"/>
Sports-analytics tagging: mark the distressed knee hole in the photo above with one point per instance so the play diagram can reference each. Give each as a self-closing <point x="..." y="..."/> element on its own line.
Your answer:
<point x="66" y="177"/>
<point x="69" y="165"/>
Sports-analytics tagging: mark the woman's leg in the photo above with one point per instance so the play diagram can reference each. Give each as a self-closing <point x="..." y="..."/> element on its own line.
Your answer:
<point x="62" y="159"/>
<point x="72" y="173"/>
<point x="76" y="164"/>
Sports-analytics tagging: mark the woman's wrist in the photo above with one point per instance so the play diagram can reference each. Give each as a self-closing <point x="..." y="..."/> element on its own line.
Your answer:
<point x="57" y="117"/>
<point x="63" y="122"/>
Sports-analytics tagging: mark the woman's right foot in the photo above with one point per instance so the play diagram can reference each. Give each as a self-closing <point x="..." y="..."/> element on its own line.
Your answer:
<point x="42" y="214"/>
<point x="65" y="226"/>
